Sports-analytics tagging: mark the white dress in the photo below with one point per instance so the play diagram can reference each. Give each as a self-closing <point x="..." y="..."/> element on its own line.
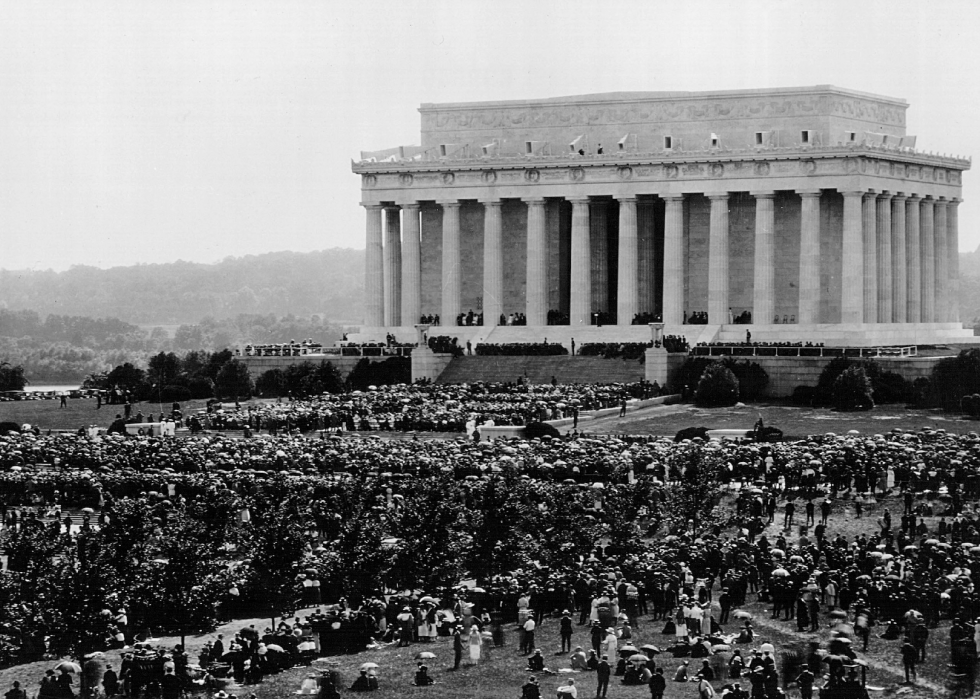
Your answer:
<point x="476" y="644"/>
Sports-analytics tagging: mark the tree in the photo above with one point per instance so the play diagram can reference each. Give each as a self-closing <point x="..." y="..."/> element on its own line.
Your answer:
<point x="309" y="379"/>
<point x="271" y="383"/>
<point x="11" y="377"/>
<point x="233" y="381"/>
<point x="852" y="390"/>
<point x="718" y="387"/>
<point x="164" y="369"/>
<point x="127" y="377"/>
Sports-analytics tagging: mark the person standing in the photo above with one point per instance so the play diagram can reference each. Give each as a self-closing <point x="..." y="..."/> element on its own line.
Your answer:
<point x="566" y="631"/>
<point x="725" y="604"/>
<point x="602" y="677"/>
<point x="910" y="656"/>
<point x="457" y="646"/>
<point x="658" y="684"/>
<point x="805" y="682"/>
<point x="527" y="643"/>
<point x="476" y="644"/>
<point x="789" y="513"/>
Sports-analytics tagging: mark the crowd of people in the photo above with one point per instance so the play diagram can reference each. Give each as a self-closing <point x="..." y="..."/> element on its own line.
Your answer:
<point x="918" y="569"/>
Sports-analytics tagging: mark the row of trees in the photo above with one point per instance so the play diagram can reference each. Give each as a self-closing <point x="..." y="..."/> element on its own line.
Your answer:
<point x="168" y="377"/>
<point x="180" y="564"/>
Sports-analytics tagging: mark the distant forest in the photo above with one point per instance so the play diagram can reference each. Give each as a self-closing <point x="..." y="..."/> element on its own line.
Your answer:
<point x="327" y="283"/>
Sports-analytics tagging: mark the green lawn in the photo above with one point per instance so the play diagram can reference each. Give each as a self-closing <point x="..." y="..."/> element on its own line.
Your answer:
<point x="793" y="421"/>
<point x="81" y="412"/>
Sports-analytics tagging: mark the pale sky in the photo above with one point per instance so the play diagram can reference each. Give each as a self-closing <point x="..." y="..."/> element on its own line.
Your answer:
<point x="141" y="132"/>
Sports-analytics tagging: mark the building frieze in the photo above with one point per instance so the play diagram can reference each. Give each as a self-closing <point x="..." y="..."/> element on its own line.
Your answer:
<point x="687" y="166"/>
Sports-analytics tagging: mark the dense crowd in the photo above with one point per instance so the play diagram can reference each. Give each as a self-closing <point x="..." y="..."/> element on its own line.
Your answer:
<point x="904" y="580"/>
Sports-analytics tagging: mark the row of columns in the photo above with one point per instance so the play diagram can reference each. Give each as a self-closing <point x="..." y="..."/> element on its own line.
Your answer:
<point x="899" y="260"/>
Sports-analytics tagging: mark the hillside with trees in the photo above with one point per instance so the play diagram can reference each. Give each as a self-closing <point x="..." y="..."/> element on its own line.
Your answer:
<point x="328" y="283"/>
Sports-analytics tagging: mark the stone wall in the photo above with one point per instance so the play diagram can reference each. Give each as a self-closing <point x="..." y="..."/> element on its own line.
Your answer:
<point x="646" y="117"/>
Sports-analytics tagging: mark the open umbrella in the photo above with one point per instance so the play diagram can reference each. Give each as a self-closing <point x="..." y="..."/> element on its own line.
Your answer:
<point x="369" y="666"/>
<point x="767" y="648"/>
<point x="650" y="649"/>
<point x="67" y="666"/>
<point x="425" y="655"/>
<point x="838" y="614"/>
<point x="639" y="658"/>
<point x="275" y="647"/>
<point x="629" y="648"/>
<point x="743" y="615"/>
<point x="88" y="510"/>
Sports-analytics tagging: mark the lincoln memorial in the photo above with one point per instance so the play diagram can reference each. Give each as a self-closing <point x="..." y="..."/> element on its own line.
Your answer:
<point x="796" y="214"/>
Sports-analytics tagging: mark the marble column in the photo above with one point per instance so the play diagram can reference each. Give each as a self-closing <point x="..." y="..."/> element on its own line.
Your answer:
<point x="953" y="248"/>
<point x="537" y="264"/>
<point x="913" y="261"/>
<point x="493" y="262"/>
<point x="899" y="267"/>
<point x="764" y="282"/>
<point x="627" y="282"/>
<point x="869" y="235"/>
<point x="580" y="295"/>
<point x="809" y="282"/>
<point x="599" y="241"/>
<point x="451" y="281"/>
<point x="718" y="307"/>
<point x="852" y="261"/>
<point x="884" y="238"/>
<point x="942" y="262"/>
<point x="374" y="276"/>
<point x="928" y="259"/>
<point x="411" y="265"/>
<point x="393" y="265"/>
<point x="673" y="259"/>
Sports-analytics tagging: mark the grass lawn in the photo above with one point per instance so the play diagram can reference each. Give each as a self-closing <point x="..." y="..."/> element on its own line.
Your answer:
<point x="81" y="412"/>
<point x="793" y="421"/>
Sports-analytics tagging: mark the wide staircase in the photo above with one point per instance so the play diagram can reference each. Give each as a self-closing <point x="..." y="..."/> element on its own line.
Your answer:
<point x="540" y="370"/>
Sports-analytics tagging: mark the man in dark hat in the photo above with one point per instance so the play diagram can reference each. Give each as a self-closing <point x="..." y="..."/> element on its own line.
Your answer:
<point x="602" y="677"/>
<point x="457" y="646"/>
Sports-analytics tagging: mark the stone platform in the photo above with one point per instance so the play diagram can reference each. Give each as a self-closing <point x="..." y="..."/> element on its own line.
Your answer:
<point x="837" y="334"/>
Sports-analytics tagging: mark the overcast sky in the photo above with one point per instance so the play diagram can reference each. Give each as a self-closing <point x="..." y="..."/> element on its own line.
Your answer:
<point x="156" y="131"/>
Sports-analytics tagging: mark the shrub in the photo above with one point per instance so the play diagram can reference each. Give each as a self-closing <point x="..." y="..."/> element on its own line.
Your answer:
<point x="8" y="426"/>
<point x="169" y="394"/>
<point x="970" y="405"/>
<point x="852" y="390"/>
<point x="752" y="378"/>
<point x="804" y="395"/>
<point x="954" y="377"/>
<point x="718" y="387"/>
<point x="691" y="433"/>
<point x="394" y="370"/>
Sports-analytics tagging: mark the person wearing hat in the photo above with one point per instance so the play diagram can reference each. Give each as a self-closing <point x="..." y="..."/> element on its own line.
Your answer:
<point x="603" y="671"/>
<point x="805" y="682"/>
<point x="577" y="660"/>
<point x="565" y="626"/>
<point x="531" y="689"/>
<point x="611" y="643"/>
<point x="705" y="690"/>
<point x="110" y="682"/>
<point x="536" y="662"/>
<point x="457" y="646"/>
